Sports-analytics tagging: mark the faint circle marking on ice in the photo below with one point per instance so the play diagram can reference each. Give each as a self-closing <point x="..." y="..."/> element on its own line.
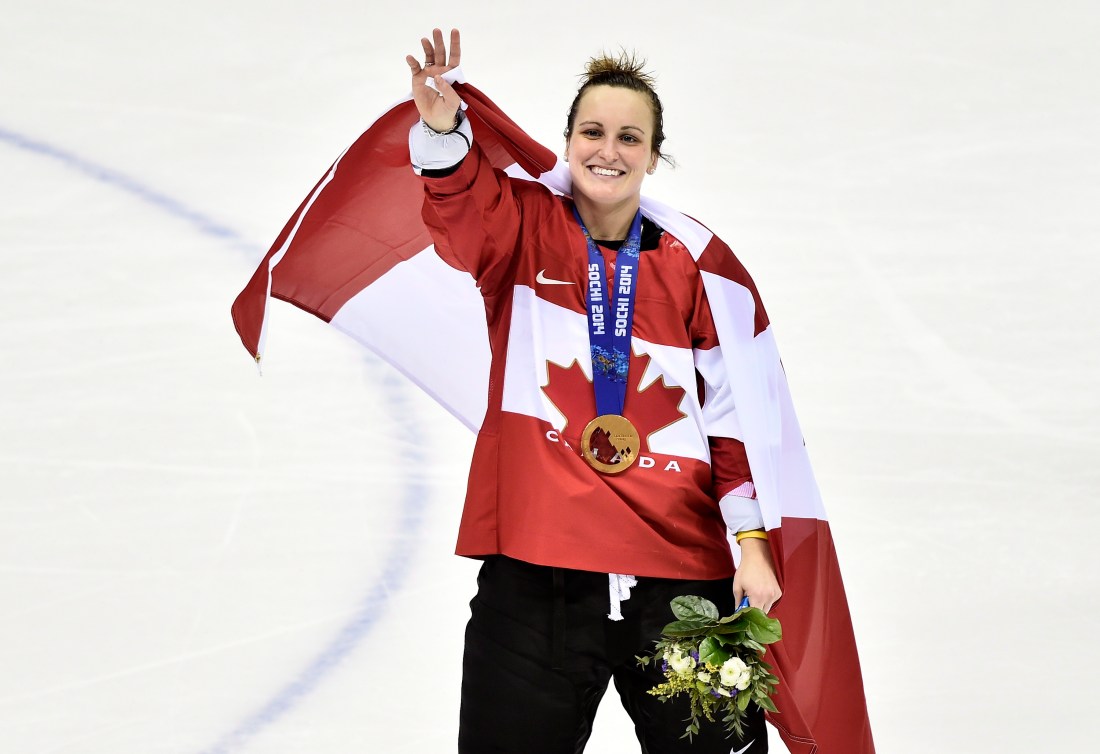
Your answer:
<point x="397" y="560"/>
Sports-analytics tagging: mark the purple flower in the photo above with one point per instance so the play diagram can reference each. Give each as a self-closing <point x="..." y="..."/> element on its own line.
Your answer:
<point x="695" y="655"/>
<point x="664" y="666"/>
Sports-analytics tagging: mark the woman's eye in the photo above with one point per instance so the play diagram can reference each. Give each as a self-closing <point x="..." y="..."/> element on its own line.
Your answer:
<point x="592" y="133"/>
<point x="630" y="138"/>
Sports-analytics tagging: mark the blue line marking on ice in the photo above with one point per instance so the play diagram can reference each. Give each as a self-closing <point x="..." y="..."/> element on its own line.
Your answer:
<point x="118" y="180"/>
<point x="398" y="560"/>
<point x="370" y="609"/>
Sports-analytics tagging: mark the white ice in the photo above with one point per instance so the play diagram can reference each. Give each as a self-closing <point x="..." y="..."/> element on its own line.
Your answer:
<point x="196" y="560"/>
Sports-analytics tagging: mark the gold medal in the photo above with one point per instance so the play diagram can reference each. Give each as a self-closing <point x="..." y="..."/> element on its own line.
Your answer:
<point x="610" y="443"/>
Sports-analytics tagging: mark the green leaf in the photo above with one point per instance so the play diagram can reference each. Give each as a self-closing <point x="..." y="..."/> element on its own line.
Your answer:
<point x="765" y="635"/>
<point x="767" y="704"/>
<point x="762" y="628"/>
<point x="743" y="700"/>
<point x="689" y="607"/>
<point x="753" y="645"/>
<point x="684" y="628"/>
<point x="711" y="651"/>
<point x="729" y="640"/>
<point x="731" y="628"/>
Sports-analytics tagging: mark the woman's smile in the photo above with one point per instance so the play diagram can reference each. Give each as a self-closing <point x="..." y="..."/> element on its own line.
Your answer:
<point x="608" y="172"/>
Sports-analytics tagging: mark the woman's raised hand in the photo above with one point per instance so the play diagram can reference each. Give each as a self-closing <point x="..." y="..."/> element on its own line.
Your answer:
<point x="437" y="106"/>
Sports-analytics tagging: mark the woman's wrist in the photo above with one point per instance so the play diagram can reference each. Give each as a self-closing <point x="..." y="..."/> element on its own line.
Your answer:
<point x="433" y="131"/>
<point x="754" y="547"/>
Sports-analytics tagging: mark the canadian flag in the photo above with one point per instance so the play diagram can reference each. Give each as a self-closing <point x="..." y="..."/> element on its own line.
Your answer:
<point x="357" y="254"/>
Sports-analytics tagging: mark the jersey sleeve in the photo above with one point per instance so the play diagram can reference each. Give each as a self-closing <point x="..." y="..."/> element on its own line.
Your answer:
<point x="470" y="208"/>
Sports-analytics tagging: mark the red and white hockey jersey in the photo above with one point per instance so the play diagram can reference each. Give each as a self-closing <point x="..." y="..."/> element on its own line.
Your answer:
<point x="531" y="496"/>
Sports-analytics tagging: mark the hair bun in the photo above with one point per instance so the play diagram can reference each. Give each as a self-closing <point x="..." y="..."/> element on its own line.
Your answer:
<point x="623" y="65"/>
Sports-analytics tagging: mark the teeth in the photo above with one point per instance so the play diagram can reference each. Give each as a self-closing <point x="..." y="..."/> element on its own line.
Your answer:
<point x="606" y="171"/>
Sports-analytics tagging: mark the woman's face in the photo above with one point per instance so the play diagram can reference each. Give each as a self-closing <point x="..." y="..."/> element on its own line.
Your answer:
<point x="611" y="146"/>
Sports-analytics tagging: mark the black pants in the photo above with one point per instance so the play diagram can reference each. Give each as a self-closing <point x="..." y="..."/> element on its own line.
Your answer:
<point x="540" y="651"/>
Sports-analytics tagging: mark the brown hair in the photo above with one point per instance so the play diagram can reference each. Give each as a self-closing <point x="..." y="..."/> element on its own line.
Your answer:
<point x="623" y="70"/>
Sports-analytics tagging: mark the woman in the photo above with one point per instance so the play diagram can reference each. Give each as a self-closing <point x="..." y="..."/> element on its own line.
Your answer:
<point x="592" y="502"/>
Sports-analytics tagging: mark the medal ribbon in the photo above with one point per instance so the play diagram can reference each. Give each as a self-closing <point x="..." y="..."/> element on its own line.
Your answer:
<point x="609" y="328"/>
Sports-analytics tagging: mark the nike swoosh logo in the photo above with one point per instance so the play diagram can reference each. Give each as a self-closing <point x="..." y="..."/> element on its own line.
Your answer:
<point x="747" y="746"/>
<point x="541" y="278"/>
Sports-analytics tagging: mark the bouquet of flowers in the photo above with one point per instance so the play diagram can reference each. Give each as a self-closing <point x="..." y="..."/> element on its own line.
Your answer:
<point x="717" y="662"/>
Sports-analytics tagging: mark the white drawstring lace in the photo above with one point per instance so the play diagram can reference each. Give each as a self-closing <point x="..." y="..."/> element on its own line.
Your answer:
<point x="619" y="585"/>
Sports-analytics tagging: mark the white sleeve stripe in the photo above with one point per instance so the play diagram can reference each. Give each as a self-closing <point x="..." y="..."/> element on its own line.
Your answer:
<point x="741" y="513"/>
<point x="436" y="152"/>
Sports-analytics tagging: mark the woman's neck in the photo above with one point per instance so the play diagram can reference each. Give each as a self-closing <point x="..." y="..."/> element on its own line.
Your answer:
<point x="606" y="223"/>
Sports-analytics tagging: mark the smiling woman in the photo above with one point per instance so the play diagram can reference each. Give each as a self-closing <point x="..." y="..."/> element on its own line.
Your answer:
<point x="633" y="414"/>
<point x="607" y="500"/>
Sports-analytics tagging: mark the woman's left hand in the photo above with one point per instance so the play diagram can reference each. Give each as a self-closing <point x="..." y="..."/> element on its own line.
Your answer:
<point x="756" y="577"/>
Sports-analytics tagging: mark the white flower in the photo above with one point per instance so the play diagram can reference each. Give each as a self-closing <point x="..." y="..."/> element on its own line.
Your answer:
<point x="681" y="663"/>
<point x="703" y="676"/>
<point x="736" y="673"/>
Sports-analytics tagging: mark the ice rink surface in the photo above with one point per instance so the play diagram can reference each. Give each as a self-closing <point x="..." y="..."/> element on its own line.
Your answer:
<point x="196" y="560"/>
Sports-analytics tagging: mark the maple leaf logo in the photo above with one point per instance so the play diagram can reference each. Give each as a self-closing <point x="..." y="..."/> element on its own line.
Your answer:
<point x="650" y="410"/>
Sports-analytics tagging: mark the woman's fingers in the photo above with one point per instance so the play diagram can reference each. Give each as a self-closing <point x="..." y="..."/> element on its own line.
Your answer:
<point x="439" y="54"/>
<point x="447" y="92"/>
<point x="435" y="49"/>
<point x="435" y="53"/>
<point x="764" y="599"/>
<point x="456" y="50"/>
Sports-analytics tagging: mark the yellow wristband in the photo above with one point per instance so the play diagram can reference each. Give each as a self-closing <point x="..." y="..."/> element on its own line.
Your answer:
<point x="753" y="534"/>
